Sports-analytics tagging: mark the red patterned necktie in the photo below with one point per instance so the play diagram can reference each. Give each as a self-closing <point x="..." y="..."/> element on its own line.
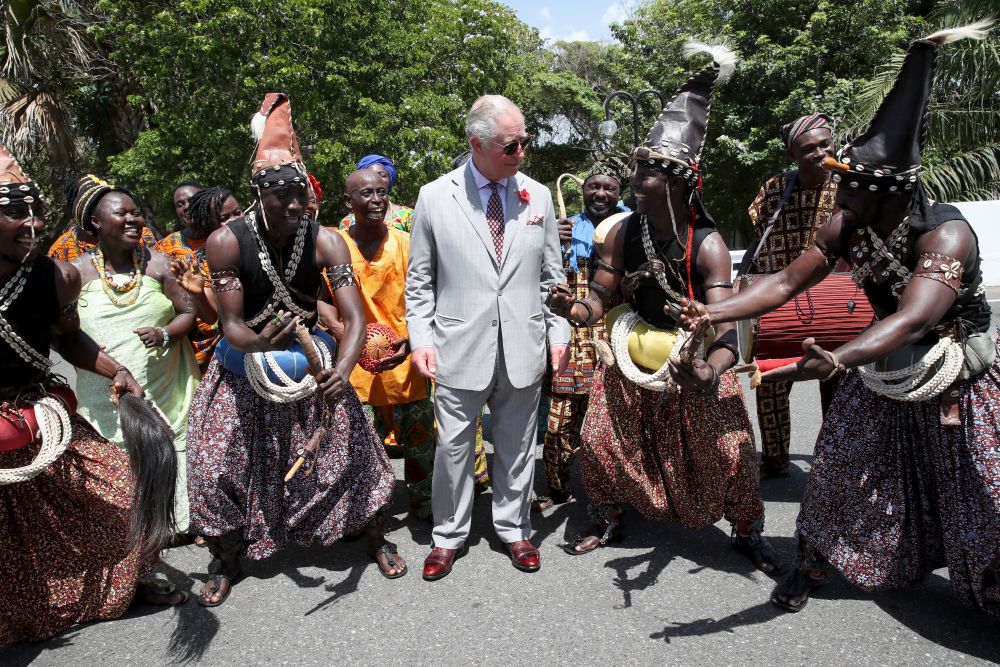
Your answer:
<point x="494" y="216"/>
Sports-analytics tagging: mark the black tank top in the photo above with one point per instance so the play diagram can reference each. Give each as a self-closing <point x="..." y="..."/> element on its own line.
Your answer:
<point x="649" y="298"/>
<point x="32" y="316"/>
<point x="257" y="288"/>
<point x="970" y="309"/>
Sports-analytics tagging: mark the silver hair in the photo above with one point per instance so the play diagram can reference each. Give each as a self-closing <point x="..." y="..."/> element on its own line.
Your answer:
<point x="482" y="119"/>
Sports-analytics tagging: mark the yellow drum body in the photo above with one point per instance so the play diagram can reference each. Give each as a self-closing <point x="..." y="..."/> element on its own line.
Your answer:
<point x="648" y="346"/>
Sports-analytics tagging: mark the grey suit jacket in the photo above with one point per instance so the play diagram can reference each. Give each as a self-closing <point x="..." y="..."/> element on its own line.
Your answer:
<point x="464" y="304"/>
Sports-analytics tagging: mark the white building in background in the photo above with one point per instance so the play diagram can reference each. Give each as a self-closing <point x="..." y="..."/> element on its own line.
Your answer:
<point x="984" y="216"/>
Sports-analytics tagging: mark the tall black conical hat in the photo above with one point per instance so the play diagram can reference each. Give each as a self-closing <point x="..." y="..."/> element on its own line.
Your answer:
<point x="677" y="138"/>
<point x="886" y="157"/>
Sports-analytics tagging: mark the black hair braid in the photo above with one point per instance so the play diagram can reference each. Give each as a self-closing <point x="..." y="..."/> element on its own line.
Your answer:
<point x="205" y="208"/>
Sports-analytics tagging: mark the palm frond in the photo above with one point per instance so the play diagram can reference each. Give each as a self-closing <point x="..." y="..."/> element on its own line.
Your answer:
<point x="972" y="175"/>
<point x="40" y="120"/>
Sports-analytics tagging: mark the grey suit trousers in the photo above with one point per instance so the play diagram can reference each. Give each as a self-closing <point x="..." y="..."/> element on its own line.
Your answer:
<point x="512" y="415"/>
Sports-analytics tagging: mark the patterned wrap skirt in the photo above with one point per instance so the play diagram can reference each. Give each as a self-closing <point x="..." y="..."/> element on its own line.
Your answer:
<point x="893" y="494"/>
<point x="240" y="446"/>
<point x="65" y="557"/>
<point x="690" y="458"/>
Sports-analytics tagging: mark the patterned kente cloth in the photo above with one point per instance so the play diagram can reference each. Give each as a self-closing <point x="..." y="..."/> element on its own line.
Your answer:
<point x="239" y="448"/>
<point x="204" y="336"/>
<point x="806" y="210"/>
<point x="69" y="245"/>
<point x="64" y="540"/>
<point x="690" y="459"/>
<point x="893" y="494"/>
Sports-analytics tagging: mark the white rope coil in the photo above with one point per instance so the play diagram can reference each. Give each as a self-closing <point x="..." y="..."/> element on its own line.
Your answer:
<point x="289" y="390"/>
<point x="919" y="381"/>
<point x="56" y="432"/>
<point x="659" y="380"/>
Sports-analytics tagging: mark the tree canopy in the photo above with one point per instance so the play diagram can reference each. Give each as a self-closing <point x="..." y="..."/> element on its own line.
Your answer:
<point x="153" y="92"/>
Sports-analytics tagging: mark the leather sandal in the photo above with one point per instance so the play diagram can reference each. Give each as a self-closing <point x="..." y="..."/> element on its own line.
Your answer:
<point x="756" y="547"/>
<point x="214" y="583"/>
<point x="607" y="527"/>
<point x="388" y="549"/>
<point x="555" y="497"/>
<point x="808" y="574"/>
<point x="159" y="592"/>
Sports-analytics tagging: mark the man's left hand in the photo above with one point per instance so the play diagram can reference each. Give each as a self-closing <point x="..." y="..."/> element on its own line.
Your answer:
<point x="559" y="355"/>
<point x="696" y="376"/>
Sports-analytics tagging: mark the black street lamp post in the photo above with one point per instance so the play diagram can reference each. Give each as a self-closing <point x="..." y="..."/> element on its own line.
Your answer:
<point x="609" y="127"/>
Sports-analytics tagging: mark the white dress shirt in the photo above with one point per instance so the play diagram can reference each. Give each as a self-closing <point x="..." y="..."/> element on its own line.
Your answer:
<point x="483" y="186"/>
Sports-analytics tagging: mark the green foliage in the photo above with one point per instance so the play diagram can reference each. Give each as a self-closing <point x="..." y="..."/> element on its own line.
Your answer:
<point x="798" y="56"/>
<point x="961" y="154"/>
<point x="394" y="79"/>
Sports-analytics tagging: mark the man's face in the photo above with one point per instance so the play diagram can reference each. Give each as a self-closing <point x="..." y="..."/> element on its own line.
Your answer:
<point x="182" y="197"/>
<point x="869" y="208"/>
<point x="284" y="207"/>
<point x="17" y="244"/>
<point x="600" y="197"/>
<point x="500" y="157"/>
<point x="650" y="187"/>
<point x="367" y="197"/>
<point x="808" y="151"/>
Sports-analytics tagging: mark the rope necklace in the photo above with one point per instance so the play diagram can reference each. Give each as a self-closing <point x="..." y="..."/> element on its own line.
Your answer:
<point x="134" y="284"/>
<point x="280" y="294"/>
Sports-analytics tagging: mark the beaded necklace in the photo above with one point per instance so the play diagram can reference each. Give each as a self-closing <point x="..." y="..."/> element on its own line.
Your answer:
<point x="132" y="287"/>
<point x="279" y="282"/>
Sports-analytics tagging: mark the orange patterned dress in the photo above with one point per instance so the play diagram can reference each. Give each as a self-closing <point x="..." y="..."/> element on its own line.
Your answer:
<point x="204" y="336"/>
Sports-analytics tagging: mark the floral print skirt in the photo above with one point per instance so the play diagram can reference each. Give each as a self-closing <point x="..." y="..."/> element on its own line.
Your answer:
<point x="893" y="494"/>
<point x="239" y="448"/>
<point x="680" y="457"/>
<point x="65" y="556"/>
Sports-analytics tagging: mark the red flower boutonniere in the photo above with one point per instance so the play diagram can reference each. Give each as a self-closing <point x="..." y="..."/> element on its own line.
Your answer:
<point x="524" y="195"/>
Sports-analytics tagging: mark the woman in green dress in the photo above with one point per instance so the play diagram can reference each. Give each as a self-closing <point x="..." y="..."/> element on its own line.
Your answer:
<point x="133" y="307"/>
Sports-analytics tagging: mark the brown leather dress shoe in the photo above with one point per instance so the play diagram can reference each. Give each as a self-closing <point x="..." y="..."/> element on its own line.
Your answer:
<point x="524" y="556"/>
<point x="438" y="563"/>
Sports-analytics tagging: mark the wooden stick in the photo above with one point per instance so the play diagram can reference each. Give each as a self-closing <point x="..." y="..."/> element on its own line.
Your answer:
<point x="315" y="365"/>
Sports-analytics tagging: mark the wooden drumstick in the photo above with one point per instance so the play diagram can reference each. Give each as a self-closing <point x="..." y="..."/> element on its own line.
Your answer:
<point x="315" y="365"/>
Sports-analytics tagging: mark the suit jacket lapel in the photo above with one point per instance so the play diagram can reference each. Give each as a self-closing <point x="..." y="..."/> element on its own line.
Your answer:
<point x="516" y="210"/>
<point x="471" y="204"/>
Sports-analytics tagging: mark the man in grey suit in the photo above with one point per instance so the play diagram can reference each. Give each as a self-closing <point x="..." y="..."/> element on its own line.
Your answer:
<point x="484" y="252"/>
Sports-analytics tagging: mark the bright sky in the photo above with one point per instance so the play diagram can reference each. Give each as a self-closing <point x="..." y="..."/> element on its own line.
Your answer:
<point x="571" y="20"/>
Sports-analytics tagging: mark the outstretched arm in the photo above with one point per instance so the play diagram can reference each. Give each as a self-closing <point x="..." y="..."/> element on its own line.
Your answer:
<point x="929" y="295"/>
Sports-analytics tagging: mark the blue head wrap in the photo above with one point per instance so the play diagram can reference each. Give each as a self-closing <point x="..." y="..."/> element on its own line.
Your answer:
<point x="369" y="160"/>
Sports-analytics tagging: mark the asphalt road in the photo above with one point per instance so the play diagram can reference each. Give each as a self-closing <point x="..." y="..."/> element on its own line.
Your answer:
<point x="665" y="595"/>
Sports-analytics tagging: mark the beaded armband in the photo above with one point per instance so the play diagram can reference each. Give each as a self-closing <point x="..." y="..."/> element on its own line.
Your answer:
<point x="227" y="280"/>
<point x="940" y="268"/>
<point x="69" y="311"/>
<point x="339" y="275"/>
